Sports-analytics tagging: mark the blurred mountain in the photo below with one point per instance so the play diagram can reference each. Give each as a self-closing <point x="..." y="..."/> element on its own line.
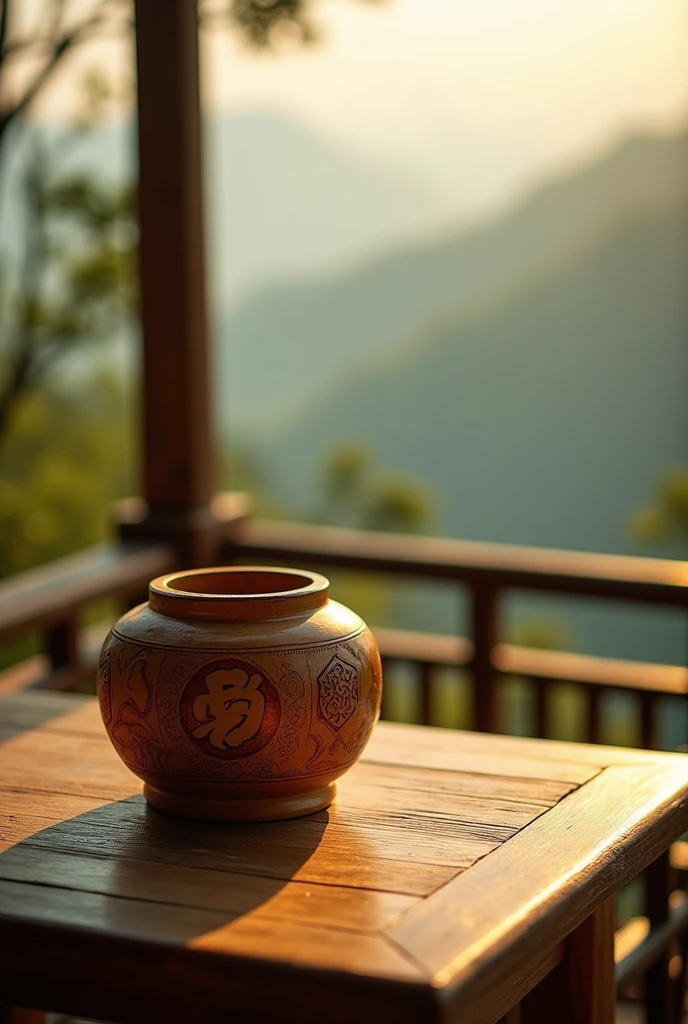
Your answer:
<point x="286" y="201"/>
<point x="543" y="417"/>
<point x="285" y="345"/>
<point x="283" y="200"/>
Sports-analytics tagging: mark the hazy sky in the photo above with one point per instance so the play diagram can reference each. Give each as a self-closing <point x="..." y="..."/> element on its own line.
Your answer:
<point x="473" y="94"/>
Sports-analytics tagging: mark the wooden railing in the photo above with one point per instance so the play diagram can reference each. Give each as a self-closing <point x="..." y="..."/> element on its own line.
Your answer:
<point x="489" y="572"/>
<point x="51" y="600"/>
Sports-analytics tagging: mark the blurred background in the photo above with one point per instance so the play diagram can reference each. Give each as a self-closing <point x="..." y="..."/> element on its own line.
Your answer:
<point x="448" y="255"/>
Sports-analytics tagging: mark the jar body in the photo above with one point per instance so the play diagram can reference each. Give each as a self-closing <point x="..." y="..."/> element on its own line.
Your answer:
<point x="244" y="719"/>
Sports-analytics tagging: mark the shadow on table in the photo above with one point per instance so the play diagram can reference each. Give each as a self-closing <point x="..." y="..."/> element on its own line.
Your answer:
<point x="17" y="715"/>
<point x="110" y="896"/>
<point x="127" y="868"/>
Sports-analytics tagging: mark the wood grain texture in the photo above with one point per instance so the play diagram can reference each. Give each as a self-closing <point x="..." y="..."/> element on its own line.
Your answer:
<point x="546" y="880"/>
<point x="456" y="750"/>
<point x="441" y="885"/>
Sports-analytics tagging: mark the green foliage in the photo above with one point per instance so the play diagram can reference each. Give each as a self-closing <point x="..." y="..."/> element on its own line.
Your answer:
<point x="265" y="24"/>
<point x="67" y="459"/>
<point x="666" y="519"/>
<point x="356" y="494"/>
<point x="76" y="283"/>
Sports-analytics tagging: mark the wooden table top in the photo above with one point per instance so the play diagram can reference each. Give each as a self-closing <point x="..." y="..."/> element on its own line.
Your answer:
<point x="439" y="886"/>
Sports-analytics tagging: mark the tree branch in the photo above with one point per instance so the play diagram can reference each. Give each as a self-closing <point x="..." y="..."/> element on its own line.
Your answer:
<point x="59" y="51"/>
<point x="4" y="21"/>
<point x="59" y="48"/>
<point x="22" y="362"/>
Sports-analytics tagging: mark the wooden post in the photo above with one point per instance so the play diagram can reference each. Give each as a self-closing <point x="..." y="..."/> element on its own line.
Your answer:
<point x="61" y="646"/>
<point x="581" y="990"/>
<point x="178" y="459"/>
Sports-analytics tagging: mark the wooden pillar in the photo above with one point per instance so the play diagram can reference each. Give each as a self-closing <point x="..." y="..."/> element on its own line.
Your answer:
<point x="178" y="458"/>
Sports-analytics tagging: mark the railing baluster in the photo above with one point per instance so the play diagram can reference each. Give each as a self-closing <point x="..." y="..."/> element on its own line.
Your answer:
<point x="426" y="701"/>
<point x="485" y="629"/>
<point x="541" y="706"/>
<point x="647" y="721"/>
<point x="61" y="646"/>
<point x="384" y="706"/>
<point x="594" y="716"/>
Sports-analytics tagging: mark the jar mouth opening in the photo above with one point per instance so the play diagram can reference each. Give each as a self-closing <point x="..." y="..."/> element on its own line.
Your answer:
<point x="238" y="592"/>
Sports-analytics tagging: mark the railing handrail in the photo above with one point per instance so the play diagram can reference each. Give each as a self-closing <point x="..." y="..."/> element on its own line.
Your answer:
<point x="56" y="591"/>
<point x="503" y="566"/>
<point x="589" y="671"/>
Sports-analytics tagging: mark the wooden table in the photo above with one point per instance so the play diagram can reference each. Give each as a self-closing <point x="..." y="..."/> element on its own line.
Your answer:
<point x="454" y="873"/>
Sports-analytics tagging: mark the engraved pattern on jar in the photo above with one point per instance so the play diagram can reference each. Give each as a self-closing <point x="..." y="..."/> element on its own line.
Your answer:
<point x="240" y="693"/>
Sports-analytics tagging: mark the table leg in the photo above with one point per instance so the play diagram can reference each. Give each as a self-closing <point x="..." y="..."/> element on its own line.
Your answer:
<point x="18" y="1015"/>
<point x="660" y="989"/>
<point x="581" y="989"/>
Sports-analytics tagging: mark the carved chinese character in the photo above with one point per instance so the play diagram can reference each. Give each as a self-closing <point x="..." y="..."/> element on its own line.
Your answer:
<point x="232" y="710"/>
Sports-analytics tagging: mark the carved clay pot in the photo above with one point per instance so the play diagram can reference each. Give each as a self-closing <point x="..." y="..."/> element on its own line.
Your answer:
<point x="239" y="694"/>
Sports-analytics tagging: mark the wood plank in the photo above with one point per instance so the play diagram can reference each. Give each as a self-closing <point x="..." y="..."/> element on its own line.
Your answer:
<point x="361" y="910"/>
<point x="454" y="750"/>
<point x="20" y="712"/>
<point x="541" y="887"/>
<point x="456" y="796"/>
<point x="286" y="941"/>
<point x="30" y="758"/>
<point x="511" y="789"/>
<point x="307" y="849"/>
<point x="391" y="743"/>
<point x="55" y="763"/>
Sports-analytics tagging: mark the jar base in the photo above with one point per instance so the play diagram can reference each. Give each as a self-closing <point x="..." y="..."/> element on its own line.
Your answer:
<point x="269" y="808"/>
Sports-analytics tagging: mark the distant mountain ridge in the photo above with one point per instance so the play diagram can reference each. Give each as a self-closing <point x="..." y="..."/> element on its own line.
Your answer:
<point x="575" y="384"/>
<point x="287" y="201"/>
<point x="283" y="199"/>
<point x="309" y="334"/>
<point x="544" y="420"/>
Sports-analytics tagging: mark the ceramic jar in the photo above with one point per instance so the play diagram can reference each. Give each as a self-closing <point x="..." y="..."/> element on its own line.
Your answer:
<point x="240" y="693"/>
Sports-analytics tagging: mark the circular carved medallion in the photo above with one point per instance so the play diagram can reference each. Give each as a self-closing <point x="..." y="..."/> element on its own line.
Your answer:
<point x="229" y="709"/>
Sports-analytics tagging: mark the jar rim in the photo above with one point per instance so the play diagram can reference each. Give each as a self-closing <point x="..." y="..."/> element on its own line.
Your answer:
<point x="238" y="592"/>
